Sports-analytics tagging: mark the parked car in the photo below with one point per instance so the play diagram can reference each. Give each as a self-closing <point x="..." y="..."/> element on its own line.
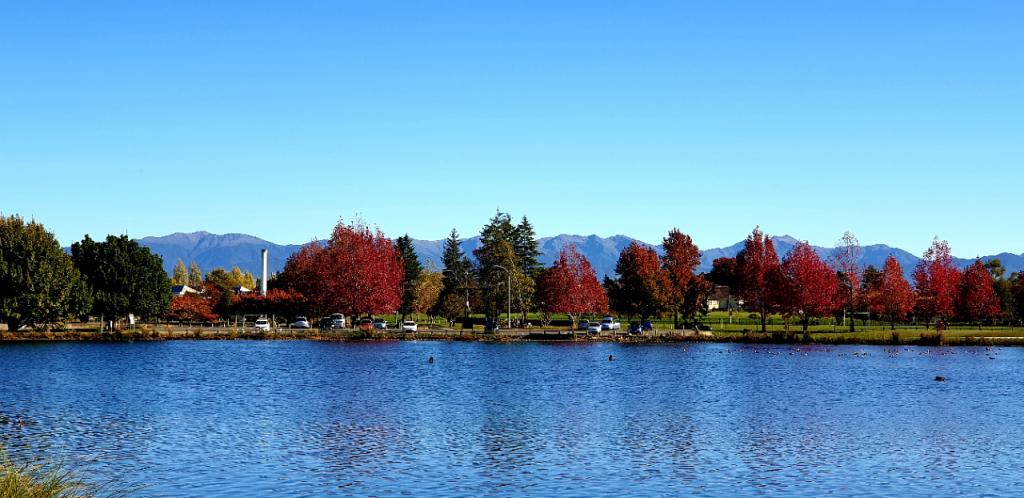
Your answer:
<point x="262" y="324"/>
<point x="337" y="321"/>
<point x="610" y="323"/>
<point x="409" y="326"/>
<point x="635" y="328"/>
<point x="300" y="322"/>
<point x="585" y="325"/>
<point x="646" y="325"/>
<point x="366" y="324"/>
<point x="594" y="328"/>
<point x="380" y="324"/>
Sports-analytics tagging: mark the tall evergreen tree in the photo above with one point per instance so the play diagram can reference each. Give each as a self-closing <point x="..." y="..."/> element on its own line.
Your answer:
<point x="413" y="271"/>
<point x="39" y="285"/>
<point x="525" y="242"/>
<point x="180" y="275"/>
<point x="124" y="277"/>
<point x="456" y="280"/>
<point x="499" y="264"/>
<point x="195" y="275"/>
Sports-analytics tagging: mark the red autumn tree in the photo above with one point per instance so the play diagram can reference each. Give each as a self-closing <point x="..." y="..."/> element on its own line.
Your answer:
<point x="811" y="285"/>
<point x="846" y="257"/>
<point x="977" y="300"/>
<point x="890" y="294"/>
<point x="642" y="287"/>
<point x="570" y="286"/>
<point x="196" y="307"/>
<point x="723" y="272"/>
<point x="299" y="273"/>
<point x="759" y="271"/>
<point x="936" y="279"/>
<point x="679" y="261"/>
<point x="278" y="302"/>
<point x="357" y="271"/>
<point x="361" y="271"/>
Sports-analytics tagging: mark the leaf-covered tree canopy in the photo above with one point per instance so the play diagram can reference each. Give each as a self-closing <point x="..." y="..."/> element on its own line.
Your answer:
<point x="39" y="285"/>
<point x="123" y="276"/>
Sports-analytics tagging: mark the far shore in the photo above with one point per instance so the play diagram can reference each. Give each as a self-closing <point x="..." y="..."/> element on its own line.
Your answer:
<point x="172" y="332"/>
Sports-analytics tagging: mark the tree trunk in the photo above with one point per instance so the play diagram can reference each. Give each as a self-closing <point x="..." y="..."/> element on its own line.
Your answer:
<point x="806" y="322"/>
<point x="764" y="321"/>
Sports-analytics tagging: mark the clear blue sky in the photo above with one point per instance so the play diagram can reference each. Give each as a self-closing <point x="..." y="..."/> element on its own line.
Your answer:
<point x="896" y="120"/>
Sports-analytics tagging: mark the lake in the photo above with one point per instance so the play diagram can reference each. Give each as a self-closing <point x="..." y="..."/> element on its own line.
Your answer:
<point x="277" y="418"/>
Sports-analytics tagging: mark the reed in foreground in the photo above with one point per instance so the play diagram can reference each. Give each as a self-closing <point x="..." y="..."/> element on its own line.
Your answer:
<point x="39" y="481"/>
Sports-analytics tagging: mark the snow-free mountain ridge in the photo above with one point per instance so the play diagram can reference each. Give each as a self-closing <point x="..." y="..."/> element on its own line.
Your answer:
<point x="235" y="249"/>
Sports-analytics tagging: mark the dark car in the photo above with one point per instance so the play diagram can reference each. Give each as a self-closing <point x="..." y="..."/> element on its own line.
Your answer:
<point x="635" y="328"/>
<point x="366" y="324"/>
<point x="324" y="323"/>
<point x="646" y="325"/>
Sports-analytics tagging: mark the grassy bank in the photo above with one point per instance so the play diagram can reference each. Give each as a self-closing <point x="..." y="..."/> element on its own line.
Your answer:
<point x="39" y="481"/>
<point x="954" y="336"/>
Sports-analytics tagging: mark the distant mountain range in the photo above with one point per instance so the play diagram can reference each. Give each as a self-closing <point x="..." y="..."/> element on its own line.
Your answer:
<point x="234" y="249"/>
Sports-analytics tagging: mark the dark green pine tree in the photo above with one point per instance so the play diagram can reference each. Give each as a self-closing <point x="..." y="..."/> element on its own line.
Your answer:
<point x="457" y="275"/>
<point x="497" y="250"/>
<point x="525" y="243"/>
<point x="413" y="271"/>
<point x="124" y="277"/>
<point x="526" y="249"/>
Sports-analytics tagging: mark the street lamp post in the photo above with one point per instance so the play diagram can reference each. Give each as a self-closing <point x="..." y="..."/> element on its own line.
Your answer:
<point x="509" y="273"/>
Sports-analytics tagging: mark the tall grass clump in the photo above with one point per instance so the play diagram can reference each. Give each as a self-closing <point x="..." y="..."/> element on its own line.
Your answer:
<point x="39" y="481"/>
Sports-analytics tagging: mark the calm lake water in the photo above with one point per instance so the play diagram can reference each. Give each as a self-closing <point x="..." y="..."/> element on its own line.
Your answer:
<point x="248" y="418"/>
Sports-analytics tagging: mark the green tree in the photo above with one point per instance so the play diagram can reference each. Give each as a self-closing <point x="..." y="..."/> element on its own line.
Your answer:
<point x="456" y="281"/>
<point x="526" y="249"/>
<point x="123" y="276"/>
<point x="499" y="263"/>
<point x="225" y="285"/>
<point x="180" y="275"/>
<point x="1003" y="287"/>
<point x="39" y="285"/>
<point x="195" y="275"/>
<point x="413" y="272"/>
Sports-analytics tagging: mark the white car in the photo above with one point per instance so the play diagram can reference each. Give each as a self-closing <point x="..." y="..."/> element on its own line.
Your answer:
<point x="380" y="324"/>
<point x="594" y="328"/>
<point x="609" y="323"/>
<point x="301" y="323"/>
<point x="262" y="324"/>
<point x="409" y="326"/>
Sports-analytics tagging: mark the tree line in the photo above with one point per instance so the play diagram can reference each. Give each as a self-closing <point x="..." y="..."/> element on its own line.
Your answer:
<point x="359" y="271"/>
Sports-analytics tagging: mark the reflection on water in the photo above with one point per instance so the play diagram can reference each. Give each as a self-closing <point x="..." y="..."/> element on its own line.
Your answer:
<point x="305" y="418"/>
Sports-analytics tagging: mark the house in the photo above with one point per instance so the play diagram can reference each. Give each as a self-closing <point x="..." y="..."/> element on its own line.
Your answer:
<point x="721" y="298"/>
<point x="181" y="290"/>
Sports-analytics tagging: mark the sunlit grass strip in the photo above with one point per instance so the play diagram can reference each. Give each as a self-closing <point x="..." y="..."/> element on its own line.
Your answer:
<point x="39" y="481"/>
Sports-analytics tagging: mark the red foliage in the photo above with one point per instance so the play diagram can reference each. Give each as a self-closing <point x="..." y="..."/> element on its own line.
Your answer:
<point x="277" y="302"/>
<point x="643" y="285"/>
<point x="977" y="300"/>
<point x="891" y="296"/>
<point x="810" y="284"/>
<point x="936" y="280"/>
<point x="358" y="271"/>
<point x="723" y="272"/>
<point x="195" y="307"/>
<point x="760" y="276"/>
<point x="571" y="286"/>
<point x="680" y="259"/>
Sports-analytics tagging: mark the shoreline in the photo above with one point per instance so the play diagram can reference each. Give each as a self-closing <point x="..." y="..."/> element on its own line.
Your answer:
<point x="170" y="333"/>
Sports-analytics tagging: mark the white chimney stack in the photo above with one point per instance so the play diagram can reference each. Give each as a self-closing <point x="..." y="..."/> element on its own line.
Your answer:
<point x="263" y="279"/>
